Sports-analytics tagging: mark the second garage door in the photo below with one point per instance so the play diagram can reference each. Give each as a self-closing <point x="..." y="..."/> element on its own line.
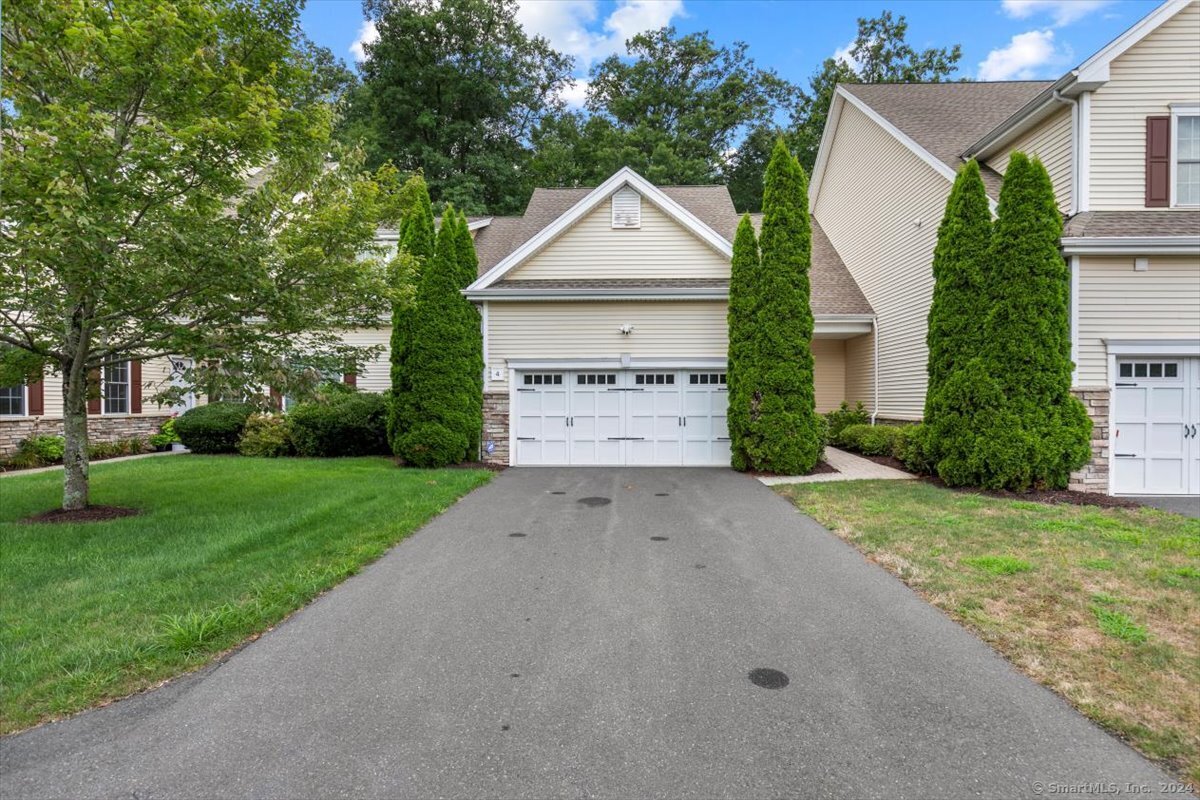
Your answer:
<point x="621" y="417"/>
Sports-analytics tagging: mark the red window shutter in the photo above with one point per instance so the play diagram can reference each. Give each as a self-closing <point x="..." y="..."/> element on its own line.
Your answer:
<point x="350" y="379"/>
<point x="135" y="386"/>
<point x="37" y="399"/>
<point x="1158" y="162"/>
<point x="276" y="400"/>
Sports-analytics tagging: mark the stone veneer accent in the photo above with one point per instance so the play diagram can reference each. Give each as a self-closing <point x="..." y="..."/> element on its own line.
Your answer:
<point x="100" y="429"/>
<point x="495" y="428"/>
<point x="1094" y="475"/>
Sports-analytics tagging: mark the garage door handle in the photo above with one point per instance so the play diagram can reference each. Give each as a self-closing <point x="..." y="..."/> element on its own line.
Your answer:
<point x="526" y="438"/>
<point x="1125" y="455"/>
<point x="722" y="438"/>
<point x="627" y="438"/>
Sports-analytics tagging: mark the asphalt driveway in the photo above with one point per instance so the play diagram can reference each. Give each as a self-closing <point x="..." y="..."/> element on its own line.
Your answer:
<point x="589" y="633"/>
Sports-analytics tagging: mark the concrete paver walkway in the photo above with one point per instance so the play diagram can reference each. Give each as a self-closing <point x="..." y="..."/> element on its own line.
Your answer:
<point x="596" y="633"/>
<point x="849" y="468"/>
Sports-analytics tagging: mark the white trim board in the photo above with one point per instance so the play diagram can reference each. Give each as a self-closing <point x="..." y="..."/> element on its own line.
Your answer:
<point x="622" y="177"/>
<point x="1095" y="70"/>
<point x="1152" y="347"/>
<point x="1130" y="245"/>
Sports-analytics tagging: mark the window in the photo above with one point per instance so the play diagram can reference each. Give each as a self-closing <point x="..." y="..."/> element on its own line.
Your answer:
<point x="12" y="401"/>
<point x="116" y="388"/>
<point x="1149" y="369"/>
<point x="1187" y="157"/>
<point x="654" y="379"/>
<point x="594" y="379"/>
<point x="707" y="379"/>
<point x="543" y="380"/>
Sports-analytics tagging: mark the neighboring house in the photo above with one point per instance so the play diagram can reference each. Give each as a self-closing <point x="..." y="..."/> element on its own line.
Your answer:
<point x="604" y="309"/>
<point x="1120" y="137"/>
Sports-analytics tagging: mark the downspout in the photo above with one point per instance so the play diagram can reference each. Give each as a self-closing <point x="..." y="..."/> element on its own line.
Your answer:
<point x="1073" y="209"/>
<point x="875" y="367"/>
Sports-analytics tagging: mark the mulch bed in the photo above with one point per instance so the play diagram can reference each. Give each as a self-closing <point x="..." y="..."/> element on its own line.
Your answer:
<point x="464" y="465"/>
<point x="89" y="514"/>
<point x="1047" y="496"/>
<point x="820" y="469"/>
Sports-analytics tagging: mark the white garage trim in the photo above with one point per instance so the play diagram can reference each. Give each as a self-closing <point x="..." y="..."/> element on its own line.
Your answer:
<point x="643" y="362"/>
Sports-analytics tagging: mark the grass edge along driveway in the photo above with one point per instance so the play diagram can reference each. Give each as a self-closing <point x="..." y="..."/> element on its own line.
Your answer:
<point x="225" y="547"/>
<point x="1100" y="605"/>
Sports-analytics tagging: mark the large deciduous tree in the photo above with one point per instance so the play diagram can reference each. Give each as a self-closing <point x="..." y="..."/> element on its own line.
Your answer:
<point x="453" y="88"/>
<point x="138" y="218"/>
<point x="1029" y="429"/>
<point x="880" y="54"/>
<point x="444" y="366"/>
<point x="781" y="431"/>
<point x="672" y="110"/>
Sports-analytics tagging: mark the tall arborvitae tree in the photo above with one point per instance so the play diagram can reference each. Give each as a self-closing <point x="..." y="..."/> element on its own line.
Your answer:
<point x="782" y="433"/>
<point x="956" y="315"/>
<point x="468" y="271"/>
<point x="743" y="302"/>
<point x="414" y="249"/>
<point x="1033" y="432"/>
<point x="443" y="358"/>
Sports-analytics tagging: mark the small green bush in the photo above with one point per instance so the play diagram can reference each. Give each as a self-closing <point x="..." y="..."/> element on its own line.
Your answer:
<point x="340" y="425"/>
<point x="431" y="445"/>
<point x="213" y="428"/>
<point x="116" y="448"/>
<point x="37" y="451"/>
<point x="266" y="436"/>
<point x="844" y="417"/>
<point x="910" y="447"/>
<point x="870" y="440"/>
<point x="166" y="435"/>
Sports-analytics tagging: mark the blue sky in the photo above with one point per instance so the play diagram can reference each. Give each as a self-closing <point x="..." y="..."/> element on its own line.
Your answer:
<point x="1001" y="39"/>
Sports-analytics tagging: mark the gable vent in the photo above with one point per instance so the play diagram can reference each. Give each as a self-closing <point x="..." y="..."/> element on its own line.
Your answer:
<point x="626" y="208"/>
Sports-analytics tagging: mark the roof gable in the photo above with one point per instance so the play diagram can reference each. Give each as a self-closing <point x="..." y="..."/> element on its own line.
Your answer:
<point x="551" y="229"/>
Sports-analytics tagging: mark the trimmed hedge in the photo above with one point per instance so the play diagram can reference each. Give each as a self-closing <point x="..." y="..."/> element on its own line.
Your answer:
<point x="213" y="428"/>
<point x="341" y="425"/>
<point x="843" y="417"/>
<point x="266" y="436"/>
<point x="870" y="440"/>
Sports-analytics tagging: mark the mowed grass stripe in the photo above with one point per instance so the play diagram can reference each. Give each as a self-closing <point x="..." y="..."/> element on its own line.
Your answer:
<point x="225" y="548"/>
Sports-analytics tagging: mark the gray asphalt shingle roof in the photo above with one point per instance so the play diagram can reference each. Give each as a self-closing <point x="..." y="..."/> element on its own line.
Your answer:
<point x="947" y="118"/>
<point x="1161" y="222"/>
<point x="834" y="290"/>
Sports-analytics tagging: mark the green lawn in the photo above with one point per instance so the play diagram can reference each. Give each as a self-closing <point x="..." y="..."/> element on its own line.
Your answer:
<point x="225" y="548"/>
<point x="1102" y="605"/>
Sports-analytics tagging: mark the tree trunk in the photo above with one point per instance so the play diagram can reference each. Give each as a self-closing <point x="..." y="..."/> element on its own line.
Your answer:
<point x="75" y="434"/>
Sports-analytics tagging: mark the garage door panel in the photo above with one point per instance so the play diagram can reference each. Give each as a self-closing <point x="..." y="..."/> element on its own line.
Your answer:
<point x="1155" y="404"/>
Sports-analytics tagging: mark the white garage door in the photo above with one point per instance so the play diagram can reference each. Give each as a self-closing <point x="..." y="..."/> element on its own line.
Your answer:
<point x="1156" y="426"/>
<point x="621" y="417"/>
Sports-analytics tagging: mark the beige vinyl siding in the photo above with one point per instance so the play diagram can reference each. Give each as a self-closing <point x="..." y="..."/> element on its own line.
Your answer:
<point x="660" y="248"/>
<point x="860" y="370"/>
<point x="375" y="375"/>
<point x="156" y="375"/>
<point x="1050" y="141"/>
<point x="1162" y="69"/>
<point x="829" y="373"/>
<point x="592" y="330"/>
<point x="1116" y="302"/>
<point x="874" y="192"/>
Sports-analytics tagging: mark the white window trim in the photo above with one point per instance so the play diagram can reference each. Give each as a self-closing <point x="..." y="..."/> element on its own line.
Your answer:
<point x="1179" y="110"/>
<point x="104" y="412"/>
<point x="24" y="404"/>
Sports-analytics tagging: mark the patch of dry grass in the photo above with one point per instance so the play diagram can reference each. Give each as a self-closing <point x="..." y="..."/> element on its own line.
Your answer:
<point x="1101" y="605"/>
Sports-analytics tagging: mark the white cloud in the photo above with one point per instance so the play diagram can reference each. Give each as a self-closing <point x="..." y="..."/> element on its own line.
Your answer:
<point x="575" y="95"/>
<point x="1064" y="12"/>
<point x="1028" y="55"/>
<point x="571" y="25"/>
<point x="843" y="54"/>
<point x="367" y="34"/>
